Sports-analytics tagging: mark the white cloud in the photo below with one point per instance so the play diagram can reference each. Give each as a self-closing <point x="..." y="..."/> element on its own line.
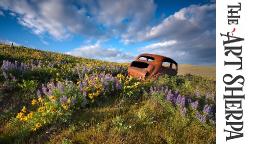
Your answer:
<point x="112" y="12"/>
<point x="185" y="24"/>
<point x="158" y="45"/>
<point x="59" y="18"/>
<point x="193" y="31"/>
<point x="123" y="18"/>
<point x="96" y="51"/>
<point x="91" y="18"/>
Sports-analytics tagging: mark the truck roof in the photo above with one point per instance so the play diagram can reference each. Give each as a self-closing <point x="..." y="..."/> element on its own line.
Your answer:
<point x="157" y="57"/>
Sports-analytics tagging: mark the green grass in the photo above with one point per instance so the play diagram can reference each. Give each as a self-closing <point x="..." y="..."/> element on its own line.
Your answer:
<point x="137" y="117"/>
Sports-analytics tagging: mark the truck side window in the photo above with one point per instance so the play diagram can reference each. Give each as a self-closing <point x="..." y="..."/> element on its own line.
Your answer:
<point x="143" y="58"/>
<point x="146" y="58"/>
<point x="174" y="66"/>
<point x="166" y="64"/>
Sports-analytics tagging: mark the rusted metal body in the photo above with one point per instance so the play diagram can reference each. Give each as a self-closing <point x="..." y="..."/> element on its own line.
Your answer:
<point x="151" y="65"/>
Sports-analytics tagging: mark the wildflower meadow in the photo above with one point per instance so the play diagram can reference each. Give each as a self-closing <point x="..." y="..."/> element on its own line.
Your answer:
<point x="47" y="97"/>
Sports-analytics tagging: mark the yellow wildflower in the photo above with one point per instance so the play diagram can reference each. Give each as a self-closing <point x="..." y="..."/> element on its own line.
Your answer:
<point x="91" y="95"/>
<point x="34" y="102"/>
<point x="40" y="109"/>
<point x="40" y="99"/>
<point x="24" y="119"/>
<point x="65" y="106"/>
<point x="120" y="76"/>
<point x="30" y="115"/>
<point x="53" y="109"/>
<point x="52" y="98"/>
<point x="24" y="109"/>
<point x="69" y="101"/>
<point x="20" y="115"/>
<point x="37" y="126"/>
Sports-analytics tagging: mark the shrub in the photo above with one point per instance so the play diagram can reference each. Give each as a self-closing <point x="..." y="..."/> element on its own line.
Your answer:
<point x="28" y="88"/>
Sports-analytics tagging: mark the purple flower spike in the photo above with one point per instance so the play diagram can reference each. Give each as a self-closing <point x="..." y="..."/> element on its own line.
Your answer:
<point x="194" y="105"/>
<point x="63" y="99"/>
<point x="81" y="86"/>
<point x="197" y="93"/>
<point x="200" y="117"/>
<point x="60" y="87"/>
<point x="169" y="97"/>
<point x="44" y="89"/>
<point x="118" y="85"/>
<point x="84" y="94"/>
<point x="207" y="109"/>
<point x="180" y="101"/>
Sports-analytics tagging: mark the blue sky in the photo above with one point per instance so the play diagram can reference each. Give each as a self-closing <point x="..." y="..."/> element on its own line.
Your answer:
<point x="113" y="30"/>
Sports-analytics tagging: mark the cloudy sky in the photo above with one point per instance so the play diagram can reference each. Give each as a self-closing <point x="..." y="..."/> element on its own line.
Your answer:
<point x="113" y="30"/>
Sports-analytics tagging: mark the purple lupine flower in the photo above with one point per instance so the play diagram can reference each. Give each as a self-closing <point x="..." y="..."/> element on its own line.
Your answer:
<point x="85" y="83"/>
<point x="169" y="96"/>
<point x="106" y="84"/>
<point x="200" y="117"/>
<point x="207" y="109"/>
<point x="175" y="96"/>
<point x="101" y="77"/>
<point x="7" y="66"/>
<point x="63" y="99"/>
<point x="50" y="90"/>
<point x="44" y="89"/>
<point x="84" y="71"/>
<point x="84" y="94"/>
<point x="180" y="101"/>
<point x="51" y="86"/>
<point x="60" y="87"/>
<point x="81" y="86"/>
<point x="194" y="105"/>
<point x="118" y="85"/>
<point x="166" y="90"/>
<point x="107" y="77"/>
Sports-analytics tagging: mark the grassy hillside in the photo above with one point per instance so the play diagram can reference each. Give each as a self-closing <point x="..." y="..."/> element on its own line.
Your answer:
<point x="47" y="97"/>
<point x="209" y="71"/>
